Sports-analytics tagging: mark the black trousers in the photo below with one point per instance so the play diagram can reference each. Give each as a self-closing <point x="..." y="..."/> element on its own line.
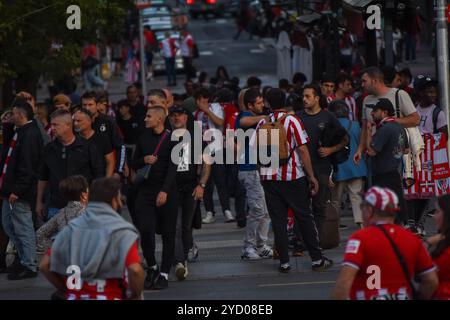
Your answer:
<point x="218" y="178"/>
<point x="393" y="181"/>
<point x="281" y="195"/>
<point x="416" y="209"/>
<point x="238" y="192"/>
<point x="163" y="220"/>
<point x="186" y="210"/>
<point x="319" y="201"/>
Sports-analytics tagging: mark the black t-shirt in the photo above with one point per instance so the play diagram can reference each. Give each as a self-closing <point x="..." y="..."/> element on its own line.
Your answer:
<point x="314" y="126"/>
<point x="131" y="129"/>
<point x="138" y="111"/>
<point x="389" y="142"/>
<point x="103" y="146"/>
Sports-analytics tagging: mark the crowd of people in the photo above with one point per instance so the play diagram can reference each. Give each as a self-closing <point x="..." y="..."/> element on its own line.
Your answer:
<point x="66" y="166"/>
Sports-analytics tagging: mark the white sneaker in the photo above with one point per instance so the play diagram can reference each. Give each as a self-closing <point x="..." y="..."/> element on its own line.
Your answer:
<point x="11" y="248"/>
<point x="265" y="252"/>
<point x="181" y="271"/>
<point x="250" y="254"/>
<point x="229" y="216"/>
<point x="209" y="218"/>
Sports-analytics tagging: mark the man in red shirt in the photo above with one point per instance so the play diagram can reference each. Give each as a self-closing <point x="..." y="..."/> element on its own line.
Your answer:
<point x="96" y="257"/>
<point x="371" y="269"/>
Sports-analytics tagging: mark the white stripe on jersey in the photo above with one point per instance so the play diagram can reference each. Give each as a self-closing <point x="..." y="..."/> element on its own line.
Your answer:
<point x="293" y="128"/>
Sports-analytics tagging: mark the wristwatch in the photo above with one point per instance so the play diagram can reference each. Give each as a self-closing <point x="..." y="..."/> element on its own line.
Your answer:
<point x="202" y="185"/>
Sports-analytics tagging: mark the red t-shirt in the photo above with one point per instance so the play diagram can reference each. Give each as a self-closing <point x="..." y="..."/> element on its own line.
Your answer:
<point x="230" y="115"/>
<point x="108" y="289"/>
<point x="443" y="264"/>
<point x="370" y="247"/>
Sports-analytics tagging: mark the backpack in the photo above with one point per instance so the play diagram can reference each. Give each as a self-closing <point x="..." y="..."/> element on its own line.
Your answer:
<point x="281" y="146"/>
<point x="231" y="113"/>
<point x="342" y="155"/>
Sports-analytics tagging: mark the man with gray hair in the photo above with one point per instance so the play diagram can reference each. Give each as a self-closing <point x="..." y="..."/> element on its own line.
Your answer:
<point x="67" y="155"/>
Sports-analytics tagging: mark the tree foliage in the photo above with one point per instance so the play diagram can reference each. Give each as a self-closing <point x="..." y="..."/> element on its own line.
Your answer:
<point x="34" y="38"/>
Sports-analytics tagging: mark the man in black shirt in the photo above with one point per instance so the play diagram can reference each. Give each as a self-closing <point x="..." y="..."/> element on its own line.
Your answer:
<point x="316" y="121"/>
<point x="130" y="126"/>
<point x="138" y="109"/>
<point x="82" y="121"/>
<point x="66" y="156"/>
<point x="156" y="201"/>
<point x="192" y="176"/>
<point x="105" y="125"/>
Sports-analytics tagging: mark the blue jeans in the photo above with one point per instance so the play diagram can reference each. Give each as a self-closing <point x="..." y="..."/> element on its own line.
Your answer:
<point x="170" y="71"/>
<point x="91" y="79"/>
<point x="18" y="224"/>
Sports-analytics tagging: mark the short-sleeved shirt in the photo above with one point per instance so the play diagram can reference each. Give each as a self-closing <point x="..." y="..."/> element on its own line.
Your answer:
<point x="246" y="165"/>
<point x="208" y="124"/>
<point x="406" y="105"/>
<point x="106" y="289"/>
<point x="103" y="146"/>
<point x="369" y="249"/>
<point x="296" y="136"/>
<point x="426" y="119"/>
<point x="443" y="264"/>
<point x="314" y="126"/>
<point x="389" y="142"/>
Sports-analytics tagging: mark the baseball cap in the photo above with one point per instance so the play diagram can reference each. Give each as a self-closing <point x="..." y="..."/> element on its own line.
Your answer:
<point x="385" y="105"/>
<point x="421" y="82"/>
<point x="61" y="99"/>
<point x="383" y="199"/>
<point x="178" y="109"/>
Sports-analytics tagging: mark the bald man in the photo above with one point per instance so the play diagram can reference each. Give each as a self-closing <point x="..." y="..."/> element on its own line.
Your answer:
<point x="156" y="201"/>
<point x="66" y="156"/>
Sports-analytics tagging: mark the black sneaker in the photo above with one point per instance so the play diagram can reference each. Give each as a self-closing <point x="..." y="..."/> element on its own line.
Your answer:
<point x="284" y="267"/>
<point x="324" y="264"/>
<point x="150" y="278"/>
<point x="343" y="227"/>
<point x="161" y="283"/>
<point x="12" y="268"/>
<point x="22" y="273"/>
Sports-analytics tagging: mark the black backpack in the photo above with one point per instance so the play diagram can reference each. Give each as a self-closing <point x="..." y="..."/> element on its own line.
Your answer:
<point x="332" y="136"/>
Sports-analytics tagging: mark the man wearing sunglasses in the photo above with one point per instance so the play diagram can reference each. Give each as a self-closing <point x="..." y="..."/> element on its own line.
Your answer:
<point x="66" y="156"/>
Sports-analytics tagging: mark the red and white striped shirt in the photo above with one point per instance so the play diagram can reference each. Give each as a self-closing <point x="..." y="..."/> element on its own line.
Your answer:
<point x="296" y="136"/>
<point x="351" y="103"/>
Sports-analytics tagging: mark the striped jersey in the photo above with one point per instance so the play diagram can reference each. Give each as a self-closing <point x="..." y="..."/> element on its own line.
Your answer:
<point x="296" y="136"/>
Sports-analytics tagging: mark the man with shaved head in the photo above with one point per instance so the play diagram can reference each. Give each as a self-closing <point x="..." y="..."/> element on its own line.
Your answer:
<point x="157" y="97"/>
<point x="66" y="156"/>
<point x="156" y="201"/>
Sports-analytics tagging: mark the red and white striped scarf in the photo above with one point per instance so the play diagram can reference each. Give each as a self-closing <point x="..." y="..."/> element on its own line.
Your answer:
<point x="12" y="145"/>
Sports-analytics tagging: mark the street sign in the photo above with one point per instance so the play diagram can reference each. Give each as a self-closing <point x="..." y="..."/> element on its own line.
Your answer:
<point x="142" y="4"/>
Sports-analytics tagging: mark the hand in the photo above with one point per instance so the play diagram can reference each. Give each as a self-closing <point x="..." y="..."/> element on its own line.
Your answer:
<point x="13" y="198"/>
<point x="161" y="199"/>
<point x="331" y="183"/>
<point x="203" y="106"/>
<point x="357" y="157"/>
<point x="28" y="97"/>
<point x="198" y="193"/>
<point x="434" y="240"/>
<point x="150" y="160"/>
<point x="313" y="185"/>
<point x="40" y="209"/>
<point x="325" y="152"/>
<point x="7" y="117"/>
<point x="126" y="171"/>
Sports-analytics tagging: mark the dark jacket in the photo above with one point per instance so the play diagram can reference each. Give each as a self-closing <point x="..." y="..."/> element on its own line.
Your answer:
<point x="80" y="158"/>
<point x="163" y="173"/>
<point x="22" y="172"/>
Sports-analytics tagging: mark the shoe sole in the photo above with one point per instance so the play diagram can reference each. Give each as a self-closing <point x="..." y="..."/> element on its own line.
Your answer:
<point x="181" y="274"/>
<point x="322" y="268"/>
<point x="298" y="254"/>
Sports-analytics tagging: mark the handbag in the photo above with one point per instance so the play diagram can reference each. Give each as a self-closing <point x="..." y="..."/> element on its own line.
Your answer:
<point x="143" y="173"/>
<point x="401" y="260"/>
